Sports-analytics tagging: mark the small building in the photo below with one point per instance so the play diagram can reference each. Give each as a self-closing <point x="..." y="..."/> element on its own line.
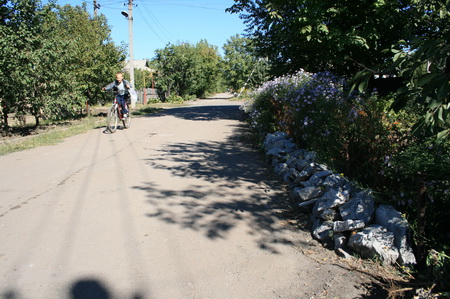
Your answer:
<point x="138" y="64"/>
<point x="148" y="93"/>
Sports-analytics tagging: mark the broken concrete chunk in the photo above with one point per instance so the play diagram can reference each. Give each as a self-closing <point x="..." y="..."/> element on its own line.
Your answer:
<point x="311" y="156"/>
<point x="375" y="242"/>
<point x="281" y="168"/>
<point x="331" y="200"/>
<point x="309" y="193"/>
<point x="394" y="222"/>
<point x="335" y="181"/>
<point x="308" y="204"/>
<point x="340" y="240"/>
<point x="360" y="207"/>
<point x="323" y="231"/>
<point x="347" y="225"/>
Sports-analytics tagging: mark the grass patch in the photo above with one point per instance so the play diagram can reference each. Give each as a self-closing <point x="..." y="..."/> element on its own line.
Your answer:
<point x="145" y="110"/>
<point x="49" y="135"/>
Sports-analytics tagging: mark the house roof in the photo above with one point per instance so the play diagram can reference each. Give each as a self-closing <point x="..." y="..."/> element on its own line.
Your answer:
<point x="138" y="64"/>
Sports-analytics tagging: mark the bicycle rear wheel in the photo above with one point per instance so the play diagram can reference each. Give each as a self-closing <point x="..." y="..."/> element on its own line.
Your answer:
<point x="113" y="119"/>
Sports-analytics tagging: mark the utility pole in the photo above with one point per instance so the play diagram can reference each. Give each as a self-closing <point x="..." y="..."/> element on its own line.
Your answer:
<point x="96" y="6"/>
<point x="130" y="33"/>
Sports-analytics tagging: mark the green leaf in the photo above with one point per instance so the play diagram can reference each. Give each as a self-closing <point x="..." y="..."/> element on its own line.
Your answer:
<point x="306" y="29"/>
<point x="443" y="91"/>
<point x="426" y="79"/>
<point x="443" y="134"/>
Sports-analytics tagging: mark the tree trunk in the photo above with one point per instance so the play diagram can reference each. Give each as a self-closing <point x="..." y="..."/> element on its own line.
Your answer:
<point x="88" y="109"/>
<point x="5" y="119"/>
<point x="36" y="118"/>
<point x="5" y="115"/>
<point x="421" y="217"/>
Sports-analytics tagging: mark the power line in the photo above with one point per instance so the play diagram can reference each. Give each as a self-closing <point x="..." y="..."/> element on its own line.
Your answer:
<point x="151" y="28"/>
<point x="189" y="5"/>
<point x="161" y="27"/>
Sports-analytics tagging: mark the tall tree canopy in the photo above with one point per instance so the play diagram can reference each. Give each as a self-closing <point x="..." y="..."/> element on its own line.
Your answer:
<point x="241" y="65"/>
<point x="339" y="35"/>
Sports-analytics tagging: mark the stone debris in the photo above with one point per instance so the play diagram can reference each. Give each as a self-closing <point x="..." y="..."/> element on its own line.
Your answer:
<point x="340" y="240"/>
<point x="347" y="225"/>
<point x="308" y="193"/>
<point x="374" y="241"/>
<point x="360" y="207"/>
<point x="343" y="253"/>
<point x="343" y="216"/>
<point x="394" y="222"/>
<point x="323" y="231"/>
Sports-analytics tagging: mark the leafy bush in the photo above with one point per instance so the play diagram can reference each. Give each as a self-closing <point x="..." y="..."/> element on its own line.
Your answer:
<point x="418" y="183"/>
<point x="175" y="99"/>
<point x="191" y="97"/>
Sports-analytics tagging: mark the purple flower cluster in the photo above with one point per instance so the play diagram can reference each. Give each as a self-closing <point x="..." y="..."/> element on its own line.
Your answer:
<point x="305" y="103"/>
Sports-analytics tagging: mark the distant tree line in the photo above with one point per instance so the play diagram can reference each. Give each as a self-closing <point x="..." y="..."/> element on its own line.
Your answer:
<point x="185" y="69"/>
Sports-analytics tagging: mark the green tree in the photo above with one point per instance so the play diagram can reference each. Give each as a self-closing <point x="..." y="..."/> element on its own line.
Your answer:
<point x="142" y="79"/>
<point x="207" y="69"/>
<point x="185" y="69"/>
<point x="241" y="66"/>
<point x="22" y="51"/>
<point x="94" y="57"/>
<point x="423" y="60"/>
<point x="356" y="38"/>
<point x="52" y="58"/>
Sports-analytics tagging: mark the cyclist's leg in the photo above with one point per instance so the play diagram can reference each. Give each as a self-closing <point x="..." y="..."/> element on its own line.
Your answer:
<point x="125" y="106"/>
<point x="119" y="106"/>
<point x="123" y="101"/>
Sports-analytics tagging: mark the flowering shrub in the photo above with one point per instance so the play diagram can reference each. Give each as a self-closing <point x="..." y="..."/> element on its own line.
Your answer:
<point x="267" y="107"/>
<point x="349" y="132"/>
<point x="317" y="112"/>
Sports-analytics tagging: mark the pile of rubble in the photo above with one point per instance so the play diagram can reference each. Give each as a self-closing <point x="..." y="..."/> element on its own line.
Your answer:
<point x="343" y="216"/>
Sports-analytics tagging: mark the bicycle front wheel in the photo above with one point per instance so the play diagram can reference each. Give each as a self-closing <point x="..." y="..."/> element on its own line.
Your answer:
<point x="113" y="119"/>
<point x="127" y="121"/>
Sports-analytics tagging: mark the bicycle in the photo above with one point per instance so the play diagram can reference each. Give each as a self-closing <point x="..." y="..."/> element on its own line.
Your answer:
<point x="115" y="115"/>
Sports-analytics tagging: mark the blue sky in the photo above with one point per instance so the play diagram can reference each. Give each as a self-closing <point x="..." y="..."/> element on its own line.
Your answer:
<point x="159" y="22"/>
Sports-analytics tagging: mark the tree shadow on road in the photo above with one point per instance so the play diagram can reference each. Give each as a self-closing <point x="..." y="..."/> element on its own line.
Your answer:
<point x="232" y="185"/>
<point x="204" y="113"/>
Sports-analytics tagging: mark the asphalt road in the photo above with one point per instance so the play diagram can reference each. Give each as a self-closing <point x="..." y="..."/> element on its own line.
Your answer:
<point x="177" y="206"/>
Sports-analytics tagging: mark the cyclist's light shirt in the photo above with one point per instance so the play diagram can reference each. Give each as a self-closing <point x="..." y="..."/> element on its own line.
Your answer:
<point x="121" y="88"/>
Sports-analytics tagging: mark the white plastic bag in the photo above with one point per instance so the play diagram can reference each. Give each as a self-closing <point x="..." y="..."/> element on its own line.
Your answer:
<point x="133" y="95"/>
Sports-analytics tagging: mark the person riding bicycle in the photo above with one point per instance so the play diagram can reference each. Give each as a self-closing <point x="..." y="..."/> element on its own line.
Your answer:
<point x="121" y="87"/>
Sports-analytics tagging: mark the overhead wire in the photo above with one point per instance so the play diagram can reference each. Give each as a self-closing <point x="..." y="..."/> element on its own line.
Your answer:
<point x="155" y="20"/>
<point x="151" y="28"/>
<point x="190" y="5"/>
